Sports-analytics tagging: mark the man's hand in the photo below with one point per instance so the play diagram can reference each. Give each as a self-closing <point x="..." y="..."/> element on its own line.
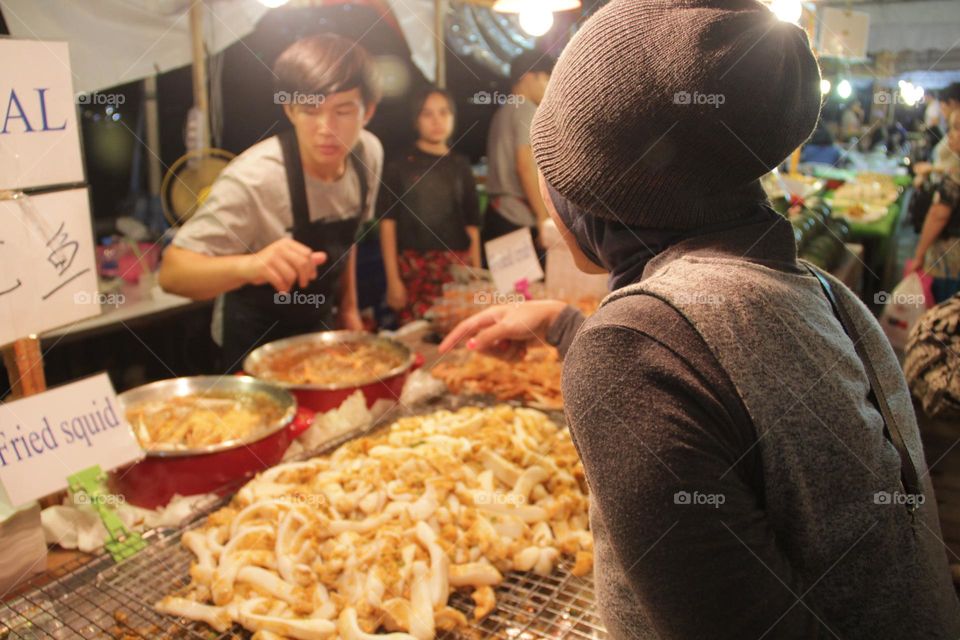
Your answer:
<point x="282" y="264"/>
<point x="396" y="295"/>
<point x="350" y="319"/>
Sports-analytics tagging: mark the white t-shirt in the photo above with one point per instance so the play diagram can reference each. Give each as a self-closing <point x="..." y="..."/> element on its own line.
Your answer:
<point x="249" y="207"/>
<point x="509" y="130"/>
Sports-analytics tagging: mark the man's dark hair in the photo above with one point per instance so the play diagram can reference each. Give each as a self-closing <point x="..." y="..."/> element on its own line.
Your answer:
<point x="950" y="92"/>
<point x="327" y="64"/>
<point x="420" y="99"/>
<point x="533" y="61"/>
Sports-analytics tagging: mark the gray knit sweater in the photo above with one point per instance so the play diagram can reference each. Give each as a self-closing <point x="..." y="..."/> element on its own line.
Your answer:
<point x="736" y="466"/>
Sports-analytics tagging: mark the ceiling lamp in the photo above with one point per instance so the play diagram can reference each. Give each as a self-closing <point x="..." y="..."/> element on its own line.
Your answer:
<point x="844" y="89"/>
<point x="787" y="10"/>
<point x="536" y="16"/>
<point x="536" y="21"/>
<point x="523" y="6"/>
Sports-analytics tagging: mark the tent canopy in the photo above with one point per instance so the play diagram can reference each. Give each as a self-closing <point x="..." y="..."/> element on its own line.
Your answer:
<point x="118" y="41"/>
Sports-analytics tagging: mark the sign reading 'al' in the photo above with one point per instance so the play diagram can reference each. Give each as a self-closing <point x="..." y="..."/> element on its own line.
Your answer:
<point x="39" y="139"/>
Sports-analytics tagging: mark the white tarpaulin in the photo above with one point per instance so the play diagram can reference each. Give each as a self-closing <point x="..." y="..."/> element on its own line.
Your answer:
<point x="117" y="41"/>
<point x="416" y="19"/>
<point x="913" y="26"/>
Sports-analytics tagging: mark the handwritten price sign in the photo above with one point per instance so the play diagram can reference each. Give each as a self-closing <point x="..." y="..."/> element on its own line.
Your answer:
<point x="513" y="258"/>
<point x="48" y="275"/>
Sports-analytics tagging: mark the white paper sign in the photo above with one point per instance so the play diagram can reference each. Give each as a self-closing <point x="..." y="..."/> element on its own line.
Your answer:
<point x="52" y="435"/>
<point x="48" y="275"/>
<point x="843" y="33"/>
<point x="512" y="258"/>
<point x="39" y="139"/>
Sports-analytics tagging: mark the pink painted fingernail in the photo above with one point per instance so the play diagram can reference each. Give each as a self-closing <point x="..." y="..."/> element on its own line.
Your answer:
<point x="471" y="344"/>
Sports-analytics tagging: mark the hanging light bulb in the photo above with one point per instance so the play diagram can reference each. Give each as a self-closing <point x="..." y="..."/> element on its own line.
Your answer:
<point x="273" y="4"/>
<point x="824" y="86"/>
<point x="787" y="10"/>
<point x="520" y="6"/>
<point x="536" y="21"/>
<point x="909" y="93"/>
<point x="844" y="90"/>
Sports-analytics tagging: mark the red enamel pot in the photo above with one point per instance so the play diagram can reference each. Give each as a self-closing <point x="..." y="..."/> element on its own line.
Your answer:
<point x="217" y="468"/>
<point x="324" y="397"/>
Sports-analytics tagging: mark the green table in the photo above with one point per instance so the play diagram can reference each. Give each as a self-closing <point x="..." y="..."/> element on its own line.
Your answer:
<point x="879" y="241"/>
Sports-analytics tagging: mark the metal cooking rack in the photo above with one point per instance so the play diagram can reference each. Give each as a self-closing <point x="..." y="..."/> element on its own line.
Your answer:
<point x="99" y="599"/>
<point x="91" y="597"/>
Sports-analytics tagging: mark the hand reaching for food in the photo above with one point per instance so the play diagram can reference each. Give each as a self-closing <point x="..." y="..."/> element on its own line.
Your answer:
<point x="497" y="327"/>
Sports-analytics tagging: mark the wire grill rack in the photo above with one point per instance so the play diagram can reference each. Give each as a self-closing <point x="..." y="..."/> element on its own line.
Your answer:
<point x="101" y="600"/>
<point x="92" y="597"/>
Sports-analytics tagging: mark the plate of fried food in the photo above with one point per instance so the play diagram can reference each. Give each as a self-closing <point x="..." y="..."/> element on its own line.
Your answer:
<point x="532" y="377"/>
<point x="372" y="540"/>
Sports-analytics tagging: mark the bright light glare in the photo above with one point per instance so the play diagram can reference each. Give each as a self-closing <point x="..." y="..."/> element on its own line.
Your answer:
<point x="910" y="94"/>
<point x="844" y="90"/>
<point x="536" y="21"/>
<point x="787" y="10"/>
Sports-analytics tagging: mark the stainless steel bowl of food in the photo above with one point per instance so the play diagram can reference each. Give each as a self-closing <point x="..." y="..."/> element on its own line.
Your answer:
<point x="323" y="369"/>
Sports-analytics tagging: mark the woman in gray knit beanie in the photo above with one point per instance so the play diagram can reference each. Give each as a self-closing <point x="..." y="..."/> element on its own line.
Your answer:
<point x="744" y="479"/>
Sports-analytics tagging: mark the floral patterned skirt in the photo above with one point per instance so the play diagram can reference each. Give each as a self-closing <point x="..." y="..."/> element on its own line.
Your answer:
<point x="424" y="273"/>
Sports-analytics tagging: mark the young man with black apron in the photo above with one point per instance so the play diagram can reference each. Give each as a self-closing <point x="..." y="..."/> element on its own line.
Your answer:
<point x="274" y="240"/>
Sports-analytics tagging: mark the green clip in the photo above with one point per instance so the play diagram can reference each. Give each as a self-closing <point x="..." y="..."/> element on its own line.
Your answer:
<point x="121" y="543"/>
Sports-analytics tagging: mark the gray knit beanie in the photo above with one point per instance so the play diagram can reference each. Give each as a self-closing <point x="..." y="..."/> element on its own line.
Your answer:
<point x="664" y="113"/>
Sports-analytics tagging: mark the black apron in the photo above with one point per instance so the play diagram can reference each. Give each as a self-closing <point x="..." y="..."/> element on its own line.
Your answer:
<point x="258" y="314"/>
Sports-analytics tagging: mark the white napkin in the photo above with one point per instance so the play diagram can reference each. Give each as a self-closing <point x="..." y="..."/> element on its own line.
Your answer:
<point x="78" y="526"/>
<point x="22" y="549"/>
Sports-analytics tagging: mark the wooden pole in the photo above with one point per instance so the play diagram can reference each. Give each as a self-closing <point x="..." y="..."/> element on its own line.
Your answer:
<point x="24" y="362"/>
<point x="200" y="101"/>
<point x="154" y="173"/>
<point x="439" y="22"/>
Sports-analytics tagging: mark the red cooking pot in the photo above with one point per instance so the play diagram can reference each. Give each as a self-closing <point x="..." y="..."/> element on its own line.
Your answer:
<point x="217" y="468"/>
<point x="324" y="397"/>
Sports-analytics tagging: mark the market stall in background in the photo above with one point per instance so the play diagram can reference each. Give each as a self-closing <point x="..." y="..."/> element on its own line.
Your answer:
<point x="342" y="483"/>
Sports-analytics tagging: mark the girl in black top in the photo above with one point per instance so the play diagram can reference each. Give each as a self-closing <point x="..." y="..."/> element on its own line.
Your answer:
<point x="429" y="211"/>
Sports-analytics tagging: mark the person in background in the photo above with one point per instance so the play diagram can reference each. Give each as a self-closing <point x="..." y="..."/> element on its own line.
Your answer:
<point x="897" y="143"/>
<point x="515" y="201"/>
<point x="943" y="158"/>
<point x="742" y="483"/>
<point x="932" y="115"/>
<point x="274" y="240"/>
<point x="430" y="211"/>
<point x="851" y="122"/>
<point x="938" y="250"/>
<point x="821" y="148"/>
